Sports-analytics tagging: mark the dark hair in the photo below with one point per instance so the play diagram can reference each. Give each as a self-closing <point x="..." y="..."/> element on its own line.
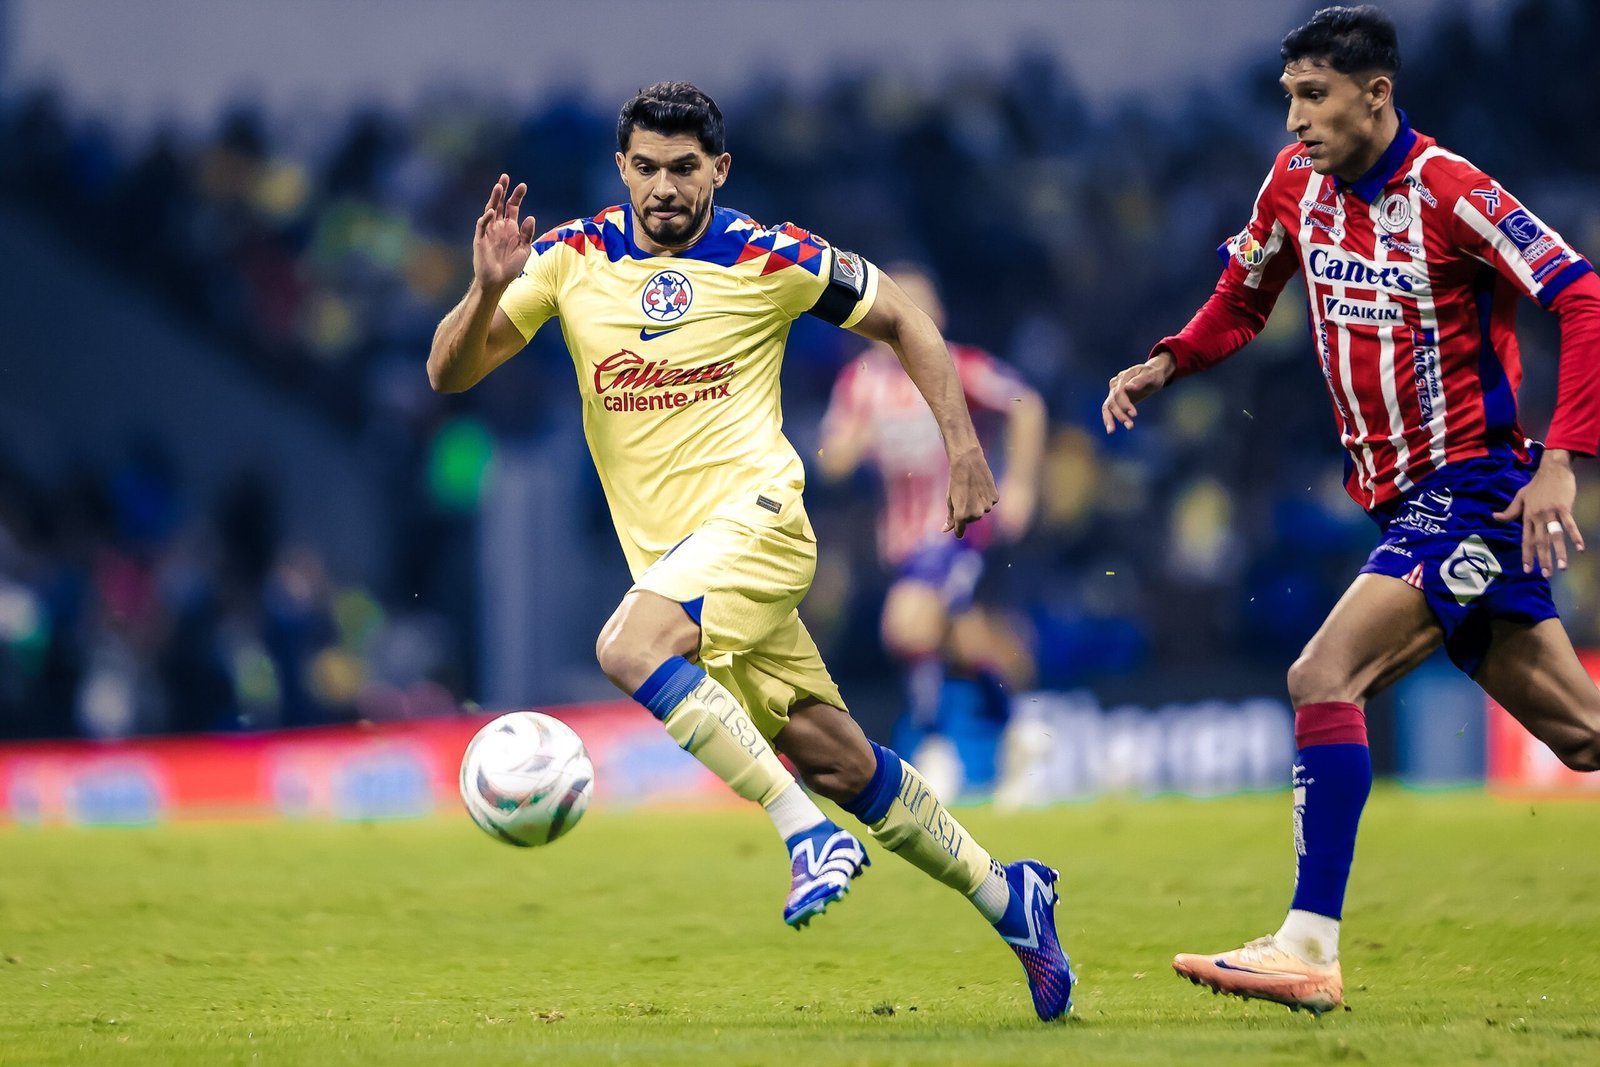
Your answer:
<point x="1348" y="39"/>
<point x="672" y="107"/>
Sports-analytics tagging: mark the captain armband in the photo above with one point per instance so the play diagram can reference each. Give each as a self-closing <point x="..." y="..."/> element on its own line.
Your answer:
<point x="851" y="282"/>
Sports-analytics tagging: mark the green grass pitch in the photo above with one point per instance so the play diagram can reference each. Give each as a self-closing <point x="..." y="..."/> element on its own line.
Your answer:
<point x="655" y="938"/>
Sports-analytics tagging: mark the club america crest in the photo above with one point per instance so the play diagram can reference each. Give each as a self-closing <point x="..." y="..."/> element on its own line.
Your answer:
<point x="667" y="296"/>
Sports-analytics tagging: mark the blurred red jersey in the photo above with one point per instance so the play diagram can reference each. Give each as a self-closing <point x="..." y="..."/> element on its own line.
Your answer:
<point x="1413" y="273"/>
<point x="874" y="397"/>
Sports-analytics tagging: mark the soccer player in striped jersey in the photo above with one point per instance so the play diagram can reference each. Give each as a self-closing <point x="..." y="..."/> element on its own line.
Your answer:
<point x="675" y="312"/>
<point x="931" y="621"/>
<point x="1414" y="262"/>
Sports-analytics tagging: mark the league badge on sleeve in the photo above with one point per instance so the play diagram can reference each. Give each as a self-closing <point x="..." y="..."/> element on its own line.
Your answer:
<point x="667" y="296"/>
<point x="1247" y="250"/>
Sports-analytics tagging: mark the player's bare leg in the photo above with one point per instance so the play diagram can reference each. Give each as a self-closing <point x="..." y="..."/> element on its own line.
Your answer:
<point x="1381" y="628"/>
<point x="1535" y="675"/>
<point x="905" y="815"/>
<point x="645" y="649"/>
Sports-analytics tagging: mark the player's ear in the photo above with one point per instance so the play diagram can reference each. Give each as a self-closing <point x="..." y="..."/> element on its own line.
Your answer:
<point x="622" y="168"/>
<point x="1380" y="91"/>
<point x="719" y="170"/>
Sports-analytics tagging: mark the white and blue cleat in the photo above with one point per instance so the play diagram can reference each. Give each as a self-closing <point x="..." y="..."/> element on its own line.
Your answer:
<point x="822" y="862"/>
<point x="1029" y="927"/>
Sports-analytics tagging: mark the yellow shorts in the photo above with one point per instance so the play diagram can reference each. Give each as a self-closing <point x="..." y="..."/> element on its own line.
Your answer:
<point x="747" y="568"/>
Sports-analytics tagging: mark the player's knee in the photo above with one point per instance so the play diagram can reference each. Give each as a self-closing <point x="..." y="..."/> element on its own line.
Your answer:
<point x="1312" y="681"/>
<point x="1584" y="755"/>
<point x="620" y="659"/>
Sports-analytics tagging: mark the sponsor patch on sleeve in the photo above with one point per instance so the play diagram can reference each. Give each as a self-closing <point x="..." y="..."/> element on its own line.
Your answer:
<point x="1524" y="231"/>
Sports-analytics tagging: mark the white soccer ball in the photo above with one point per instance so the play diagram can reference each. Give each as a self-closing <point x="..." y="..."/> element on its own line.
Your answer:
<point x="526" y="778"/>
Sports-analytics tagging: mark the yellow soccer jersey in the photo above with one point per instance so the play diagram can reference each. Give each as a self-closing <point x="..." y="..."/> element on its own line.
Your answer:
<point x="678" y="358"/>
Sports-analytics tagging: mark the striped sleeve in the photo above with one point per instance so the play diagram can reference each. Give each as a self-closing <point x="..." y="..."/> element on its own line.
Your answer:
<point x="1575" y="426"/>
<point x="1495" y="227"/>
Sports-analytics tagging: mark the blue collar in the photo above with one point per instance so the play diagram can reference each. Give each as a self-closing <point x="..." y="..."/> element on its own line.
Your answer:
<point x="1370" y="184"/>
<point x="717" y="245"/>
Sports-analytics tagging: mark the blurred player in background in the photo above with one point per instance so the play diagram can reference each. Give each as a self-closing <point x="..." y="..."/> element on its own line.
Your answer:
<point x="675" y="312"/>
<point x="1414" y="263"/>
<point x="931" y="623"/>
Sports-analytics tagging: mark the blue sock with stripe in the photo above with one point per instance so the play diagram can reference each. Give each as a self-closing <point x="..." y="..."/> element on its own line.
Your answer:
<point x="872" y="803"/>
<point x="667" y="685"/>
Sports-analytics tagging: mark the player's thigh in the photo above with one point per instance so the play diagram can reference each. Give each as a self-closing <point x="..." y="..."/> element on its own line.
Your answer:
<point x="1380" y="629"/>
<point x="914" y="619"/>
<point x="646" y="629"/>
<point x="1535" y="674"/>
<point x="828" y="748"/>
<point x="738" y="581"/>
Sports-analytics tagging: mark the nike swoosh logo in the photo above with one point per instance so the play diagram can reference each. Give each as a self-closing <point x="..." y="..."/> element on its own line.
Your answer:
<point x="1224" y="965"/>
<point x="646" y="335"/>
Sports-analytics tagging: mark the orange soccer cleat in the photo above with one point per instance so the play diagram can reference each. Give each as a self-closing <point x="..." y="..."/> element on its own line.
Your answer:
<point x="1264" y="970"/>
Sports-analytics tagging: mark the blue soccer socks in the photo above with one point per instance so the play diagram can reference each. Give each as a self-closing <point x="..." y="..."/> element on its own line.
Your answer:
<point x="1332" y="778"/>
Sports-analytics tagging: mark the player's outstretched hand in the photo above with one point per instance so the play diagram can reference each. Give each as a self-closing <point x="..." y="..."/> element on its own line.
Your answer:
<point x="501" y="244"/>
<point x="972" y="491"/>
<point x="1544" y="506"/>
<point x="1133" y="385"/>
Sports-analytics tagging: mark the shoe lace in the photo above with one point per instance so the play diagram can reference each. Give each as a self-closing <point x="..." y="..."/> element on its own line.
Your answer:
<point x="1258" y="950"/>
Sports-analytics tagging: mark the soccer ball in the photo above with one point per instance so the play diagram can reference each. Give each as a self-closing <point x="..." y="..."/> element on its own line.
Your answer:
<point x="526" y="778"/>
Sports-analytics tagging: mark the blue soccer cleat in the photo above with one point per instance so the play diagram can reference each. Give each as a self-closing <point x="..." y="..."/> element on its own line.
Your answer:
<point x="822" y="861"/>
<point x="1029" y="927"/>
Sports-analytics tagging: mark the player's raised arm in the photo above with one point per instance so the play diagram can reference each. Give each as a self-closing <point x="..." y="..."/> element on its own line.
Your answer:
<point x="476" y="336"/>
<point x="899" y="323"/>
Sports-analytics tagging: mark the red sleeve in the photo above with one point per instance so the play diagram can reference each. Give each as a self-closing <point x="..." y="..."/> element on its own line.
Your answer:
<point x="1576" y="423"/>
<point x="1223" y="325"/>
<point x="1494" y="226"/>
<point x="1257" y="263"/>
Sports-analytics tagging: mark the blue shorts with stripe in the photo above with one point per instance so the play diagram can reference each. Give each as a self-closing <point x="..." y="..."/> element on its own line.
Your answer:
<point x="1442" y="538"/>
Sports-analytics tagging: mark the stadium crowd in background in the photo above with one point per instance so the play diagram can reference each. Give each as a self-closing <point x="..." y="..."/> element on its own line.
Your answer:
<point x="323" y="255"/>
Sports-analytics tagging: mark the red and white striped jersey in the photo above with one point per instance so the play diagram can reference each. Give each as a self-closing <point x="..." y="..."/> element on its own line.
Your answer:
<point x="874" y="400"/>
<point x="1413" y="273"/>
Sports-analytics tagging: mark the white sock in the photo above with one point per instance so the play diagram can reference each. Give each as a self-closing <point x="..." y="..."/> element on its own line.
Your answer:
<point x="993" y="895"/>
<point x="794" y="812"/>
<point x="1312" y="937"/>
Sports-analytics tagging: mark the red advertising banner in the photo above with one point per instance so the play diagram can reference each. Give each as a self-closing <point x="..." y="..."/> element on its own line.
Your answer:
<point x="369" y="771"/>
<point x="1520" y="764"/>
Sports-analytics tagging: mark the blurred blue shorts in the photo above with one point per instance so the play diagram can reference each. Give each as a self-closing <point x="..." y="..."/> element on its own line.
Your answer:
<point x="950" y="566"/>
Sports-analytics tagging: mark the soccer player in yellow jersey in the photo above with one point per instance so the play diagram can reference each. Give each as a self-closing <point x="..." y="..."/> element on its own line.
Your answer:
<point x="676" y="311"/>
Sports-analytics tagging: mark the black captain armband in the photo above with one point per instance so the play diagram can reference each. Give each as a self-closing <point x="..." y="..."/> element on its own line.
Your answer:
<point x="847" y="284"/>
